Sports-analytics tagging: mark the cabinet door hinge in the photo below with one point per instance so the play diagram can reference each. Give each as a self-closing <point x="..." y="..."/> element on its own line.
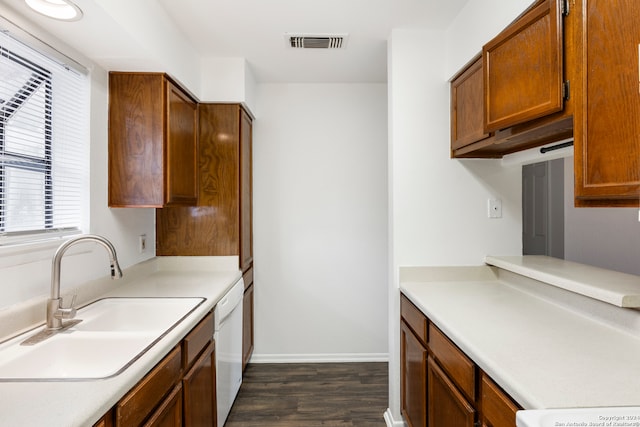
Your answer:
<point x="564" y="7"/>
<point x="566" y="90"/>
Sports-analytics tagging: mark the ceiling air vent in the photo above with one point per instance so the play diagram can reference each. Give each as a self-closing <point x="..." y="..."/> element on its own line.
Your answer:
<point x="316" y="41"/>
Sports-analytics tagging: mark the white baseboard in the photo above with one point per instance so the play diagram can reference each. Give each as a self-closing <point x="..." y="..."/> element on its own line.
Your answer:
<point x="319" y="358"/>
<point x="388" y="419"/>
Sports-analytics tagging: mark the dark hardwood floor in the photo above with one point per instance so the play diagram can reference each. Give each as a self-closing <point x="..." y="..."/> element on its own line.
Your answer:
<point x="309" y="395"/>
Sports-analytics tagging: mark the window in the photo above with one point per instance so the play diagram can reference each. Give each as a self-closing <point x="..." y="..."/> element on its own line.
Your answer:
<point x="43" y="144"/>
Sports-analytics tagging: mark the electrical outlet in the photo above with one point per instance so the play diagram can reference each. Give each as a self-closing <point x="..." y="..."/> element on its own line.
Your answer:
<point x="142" y="243"/>
<point x="495" y="208"/>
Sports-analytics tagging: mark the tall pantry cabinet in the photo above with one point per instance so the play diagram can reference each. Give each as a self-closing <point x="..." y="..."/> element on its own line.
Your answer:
<point x="220" y="223"/>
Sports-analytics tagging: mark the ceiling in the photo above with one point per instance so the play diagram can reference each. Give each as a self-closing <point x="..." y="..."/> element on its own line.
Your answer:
<point x="254" y="30"/>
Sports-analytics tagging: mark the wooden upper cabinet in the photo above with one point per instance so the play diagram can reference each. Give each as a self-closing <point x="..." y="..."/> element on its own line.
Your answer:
<point x="467" y="110"/>
<point x="246" y="191"/>
<point x="523" y="68"/>
<point x="220" y="224"/>
<point x="607" y="126"/>
<point x="152" y="142"/>
<point x="181" y="149"/>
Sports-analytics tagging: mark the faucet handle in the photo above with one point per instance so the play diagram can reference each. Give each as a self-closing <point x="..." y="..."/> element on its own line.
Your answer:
<point x="68" y="312"/>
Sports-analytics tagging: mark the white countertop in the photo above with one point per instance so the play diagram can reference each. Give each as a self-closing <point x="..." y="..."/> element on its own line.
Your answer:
<point x="82" y="403"/>
<point x="620" y="289"/>
<point x="543" y="353"/>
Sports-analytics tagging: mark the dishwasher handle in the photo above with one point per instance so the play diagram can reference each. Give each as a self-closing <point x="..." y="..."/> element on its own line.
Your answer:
<point x="229" y="302"/>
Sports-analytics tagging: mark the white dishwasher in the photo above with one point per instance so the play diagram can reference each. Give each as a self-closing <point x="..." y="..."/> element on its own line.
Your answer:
<point x="228" y="339"/>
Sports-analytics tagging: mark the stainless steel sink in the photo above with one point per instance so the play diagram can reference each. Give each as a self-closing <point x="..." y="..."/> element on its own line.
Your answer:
<point x="114" y="333"/>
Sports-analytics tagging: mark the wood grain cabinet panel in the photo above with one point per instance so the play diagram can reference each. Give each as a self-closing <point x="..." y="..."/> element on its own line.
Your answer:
<point x="169" y="413"/>
<point x="523" y="68"/>
<point x="246" y="191"/>
<point x="467" y="112"/>
<point x="414" y="318"/>
<point x="220" y="224"/>
<point x="152" y="142"/>
<point x="181" y="148"/>
<point x="458" y="366"/>
<point x="197" y="340"/>
<point x="199" y="386"/>
<point x="136" y="406"/>
<point x="247" y="322"/>
<point x="607" y="125"/>
<point x="413" y="378"/>
<point x="498" y="410"/>
<point x="447" y="406"/>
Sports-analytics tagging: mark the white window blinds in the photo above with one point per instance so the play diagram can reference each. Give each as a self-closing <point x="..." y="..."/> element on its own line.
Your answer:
<point x="44" y="166"/>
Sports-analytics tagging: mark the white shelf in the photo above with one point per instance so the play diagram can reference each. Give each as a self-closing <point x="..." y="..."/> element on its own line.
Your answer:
<point x="619" y="289"/>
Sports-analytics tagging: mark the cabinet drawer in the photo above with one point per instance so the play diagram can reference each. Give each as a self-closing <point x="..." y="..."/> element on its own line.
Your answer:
<point x="145" y="396"/>
<point x="414" y="318"/>
<point x="498" y="410"/>
<point x="457" y="365"/>
<point x="197" y="340"/>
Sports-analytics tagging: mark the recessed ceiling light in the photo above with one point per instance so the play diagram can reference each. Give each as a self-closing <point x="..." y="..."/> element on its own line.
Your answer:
<point x="63" y="10"/>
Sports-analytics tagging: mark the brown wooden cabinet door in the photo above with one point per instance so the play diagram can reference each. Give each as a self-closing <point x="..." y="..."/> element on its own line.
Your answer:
<point x="169" y="413"/>
<point x="247" y="325"/>
<point x="607" y="125"/>
<point x="136" y="170"/>
<point x="447" y="406"/>
<point x="413" y="378"/>
<point x="467" y="107"/>
<point x="199" y="391"/>
<point x="152" y="142"/>
<point x="181" y="148"/>
<point x="523" y="68"/>
<point x="246" y="191"/>
<point x="498" y="410"/>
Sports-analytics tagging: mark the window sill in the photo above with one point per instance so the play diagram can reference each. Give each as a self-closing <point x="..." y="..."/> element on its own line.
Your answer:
<point x="13" y="254"/>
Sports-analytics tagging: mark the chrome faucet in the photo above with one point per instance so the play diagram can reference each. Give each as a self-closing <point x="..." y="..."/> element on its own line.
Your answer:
<point x="55" y="312"/>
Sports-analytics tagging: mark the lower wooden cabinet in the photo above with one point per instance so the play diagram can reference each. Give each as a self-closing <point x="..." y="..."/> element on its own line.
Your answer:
<point x="247" y="318"/>
<point x="169" y="413"/>
<point x="413" y="367"/>
<point x="498" y="410"/>
<point x="447" y="406"/>
<point x="199" y="386"/>
<point x="440" y="385"/>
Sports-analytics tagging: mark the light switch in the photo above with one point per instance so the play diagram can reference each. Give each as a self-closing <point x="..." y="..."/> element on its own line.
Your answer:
<point x="495" y="208"/>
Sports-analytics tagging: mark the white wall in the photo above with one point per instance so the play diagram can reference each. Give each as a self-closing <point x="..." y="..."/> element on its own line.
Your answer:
<point x="320" y="222"/>
<point x="477" y="23"/>
<point x="438" y="206"/>
<point x="151" y="31"/>
<point x="604" y="237"/>
<point x="226" y="80"/>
